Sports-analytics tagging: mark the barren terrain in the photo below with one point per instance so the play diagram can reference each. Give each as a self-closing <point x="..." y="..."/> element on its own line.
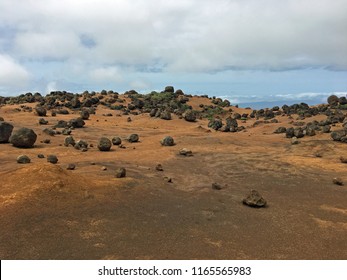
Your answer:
<point x="49" y="212"/>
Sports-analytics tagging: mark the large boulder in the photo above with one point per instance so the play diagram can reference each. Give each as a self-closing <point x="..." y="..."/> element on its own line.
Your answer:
<point x="132" y="138"/>
<point x="23" y="138"/>
<point x="333" y="100"/>
<point x="40" y="111"/>
<point x="5" y="131"/>
<point x="189" y="116"/>
<point x="167" y="141"/>
<point x="104" y="144"/>
<point x="337" y="135"/>
<point x="76" y="123"/>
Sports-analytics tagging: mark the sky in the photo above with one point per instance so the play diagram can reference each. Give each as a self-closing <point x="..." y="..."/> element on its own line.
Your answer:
<point x="243" y="50"/>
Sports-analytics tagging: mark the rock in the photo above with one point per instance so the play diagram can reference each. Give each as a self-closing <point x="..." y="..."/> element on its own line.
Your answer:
<point x="159" y="167"/>
<point x="299" y="132"/>
<point x="116" y="141"/>
<point x="338" y="181"/>
<point x="333" y="100"/>
<point x="129" y="119"/>
<point x="168" y="179"/>
<point x="84" y="115"/>
<point x="71" y="166"/>
<point x="326" y="129"/>
<point x="81" y="145"/>
<point x="23" y="159"/>
<point x="337" y="135"/>
<point x="216" y="186"/>
<point x="132" y="138"/>
<point x="40" y="111"/>
<point x="46" y="141"/>
<point x="186" y="152"/>
<point x="290" y="132"/>
<point x="1" y="119"/>
<point x="52" y="159"/>
<point x="42" y="121"/>
<point x="281" y="129"/>
<point x="169" y="89"/>
<point x="69" y="140"/>
<point x="121" y="172"/>
<point x="104" y="144"/>
<point x="215" y="124"/>
<point x="49" y="131"/>
<point x="167" y="141"/>
<point x="5" y="131"/>
<point x="61" y="124"/>
<point x="294" y="140"/>
<point x="254" y="199"/>
<point x="41" y="156"/>
<point x="23" y="138"/>
<point x="76" y="123"/>
<point x="310" y="131"/>
<point x="165" y="115"/>
<point x="189" y="116"/>
<point x="66" y="131"/>
<point x="103" y="168"/>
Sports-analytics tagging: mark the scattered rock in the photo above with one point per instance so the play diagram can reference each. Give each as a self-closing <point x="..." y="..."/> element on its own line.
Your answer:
<point x="159" y="167"/>
<point x="46" y="141"/>
<point x="338" y="181"/>
<point x="42" y="121"/>
<point x="69" y="140"/>
<point x="337" y="135"/>
<point x="121" y="172"/>
<point x="41" y="156"/>
<point x="40" y="111"/>
<point x="5" y="131"/>
<point x="129" y="119"/>
<point x="81" y="145"/>
<point x="84" y="115"/>
<point x="52" y="159"/>
<point x="343" y="159"/>
<point x="254" y="199"/>
<point x="116" y="141"/>
<point x="49" y="131"/>
<point x="71" y="166"/>
<point x="23" y="159"/>
<point x="76" y="123"/>
<point x="167" y="141"/>
<point x="281" y="129"/>
<point x="186" y="152"/>
<point x="104" y="144"/>
<point x="216" y="186"/>
<point x="132" y="138"/>
<point x="294" y="140"/>
<point x="189" y="116"/>
<point x="23" y="138"/>
<point x="168" y="179"/>
<point x="104" y="168"/>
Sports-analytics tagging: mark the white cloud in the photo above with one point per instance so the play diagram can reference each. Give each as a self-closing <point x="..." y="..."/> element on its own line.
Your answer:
<point x="12" y="73"/>
<point x="106" y="74"/>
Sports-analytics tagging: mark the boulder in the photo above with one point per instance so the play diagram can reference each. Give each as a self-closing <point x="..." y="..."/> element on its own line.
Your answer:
<point x="40" y="111"/>
<point x="84" y="115"/>
<point x="116" y="141"/>
<point x="189" y="116"/>
<point x="281" y="129"/>
<point x="337" y="135"/>
<point x="69" y="140"/>
<point x="5" y="131"/>
<point x="23" y="159"/>
<point x="167" y="141"/>
<point x="52" y="159"/>
<point x="104" y="144"/>
<point x="23" y="138"/>
<point x="121" y="172"/>
<point x="132" y="138"/>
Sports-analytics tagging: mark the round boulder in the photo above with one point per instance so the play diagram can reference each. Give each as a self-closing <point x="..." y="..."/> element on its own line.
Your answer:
<point x="132" y="138"/>
<point x="116" y="141"/>
<point x="52" y="159"/>
<point x="104" y="144"/>
<point x="40" y="111"/>
<point x="121" y="173"/>
<point x="189" y="116"/>
<point x="5" y="131"/>
<point x="167" y="141"/>
<point x="23" y="159"/>
<point x="23" y="138"/>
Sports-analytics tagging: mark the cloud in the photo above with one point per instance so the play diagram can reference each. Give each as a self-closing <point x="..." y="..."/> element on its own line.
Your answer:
<point x="106" y="74"/>
<point x="11" y="73"/>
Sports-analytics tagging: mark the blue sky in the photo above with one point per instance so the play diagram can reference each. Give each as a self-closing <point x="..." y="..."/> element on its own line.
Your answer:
<point x="245" y="50"/>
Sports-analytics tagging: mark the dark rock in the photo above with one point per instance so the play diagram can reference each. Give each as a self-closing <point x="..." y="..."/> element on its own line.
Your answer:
<point x="159" y="167"/>
<point x="216" y="186"/>
<point x="333" y="100"/>
<point x="299" y="132"/>
<point x="84" y="115"/>
<point x="66" y="131"/>
<point x="215" y="124"/>
<point x="43" y="121"/>
<point x="165" y="115"/>
<point x="81" y="145"/>
<point x="23" y="138"/>
<point x="294" y="140"/>
<point x="189" y="116"/>
<point x="46" y="141"/>
<point x="338" y="181"/>
<point x="116" y="141"/>
<point x="132" y="138"/>
<point x="337" y="135"/>
<point x="167" y="141"/>
<point x="23" y="159"/>
<point x="281" y="129"/>
<point x="40" y="111"/>
<point x="5" y="131"/>
<point x="343" y="159"/>
<point x="169" y="89"/>
<point x="52" y="159"/>
<point x="290" y="132"/>
<point x="121" y="172"/>
<point x="69" y="140"/>
<point x="71" y="166"/>
<point x="61" y="124"/>
<point x="310" y="131"/>
<point x="254" y="199"/>
<point x="49" y="131"/>
<point x="76" y="123"/>
<point x="104" y="144"/>
<point x="41" y="156"/>
<point x="326" y="129"/>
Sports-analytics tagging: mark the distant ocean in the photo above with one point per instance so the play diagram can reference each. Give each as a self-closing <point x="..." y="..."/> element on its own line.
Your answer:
<point x="280" y="103"/>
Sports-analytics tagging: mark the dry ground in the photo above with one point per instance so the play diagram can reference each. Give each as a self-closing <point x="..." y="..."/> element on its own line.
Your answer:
<point x="48" y="212"/>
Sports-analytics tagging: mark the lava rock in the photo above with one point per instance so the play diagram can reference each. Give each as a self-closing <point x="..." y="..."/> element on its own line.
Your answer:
<point x="23" y="159"/>
<point x="104" y="144"/>
<point x="40" y="111"/>
<point x="189" y="116"/>
<point x="116" y="141"/>
<point x="167" y="141"/>
<point x="23" y="138"/>
<point x="5" y="131"/>
<point x="132" y="138"/>
<point x="52" y="159"/>
<point x="69" y="140"/>
<point x="121" y="172"/>
<point x="254" y="199"/>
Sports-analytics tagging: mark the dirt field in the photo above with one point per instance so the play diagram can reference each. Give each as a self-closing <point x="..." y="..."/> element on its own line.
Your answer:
<point x="48" y="212"/>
